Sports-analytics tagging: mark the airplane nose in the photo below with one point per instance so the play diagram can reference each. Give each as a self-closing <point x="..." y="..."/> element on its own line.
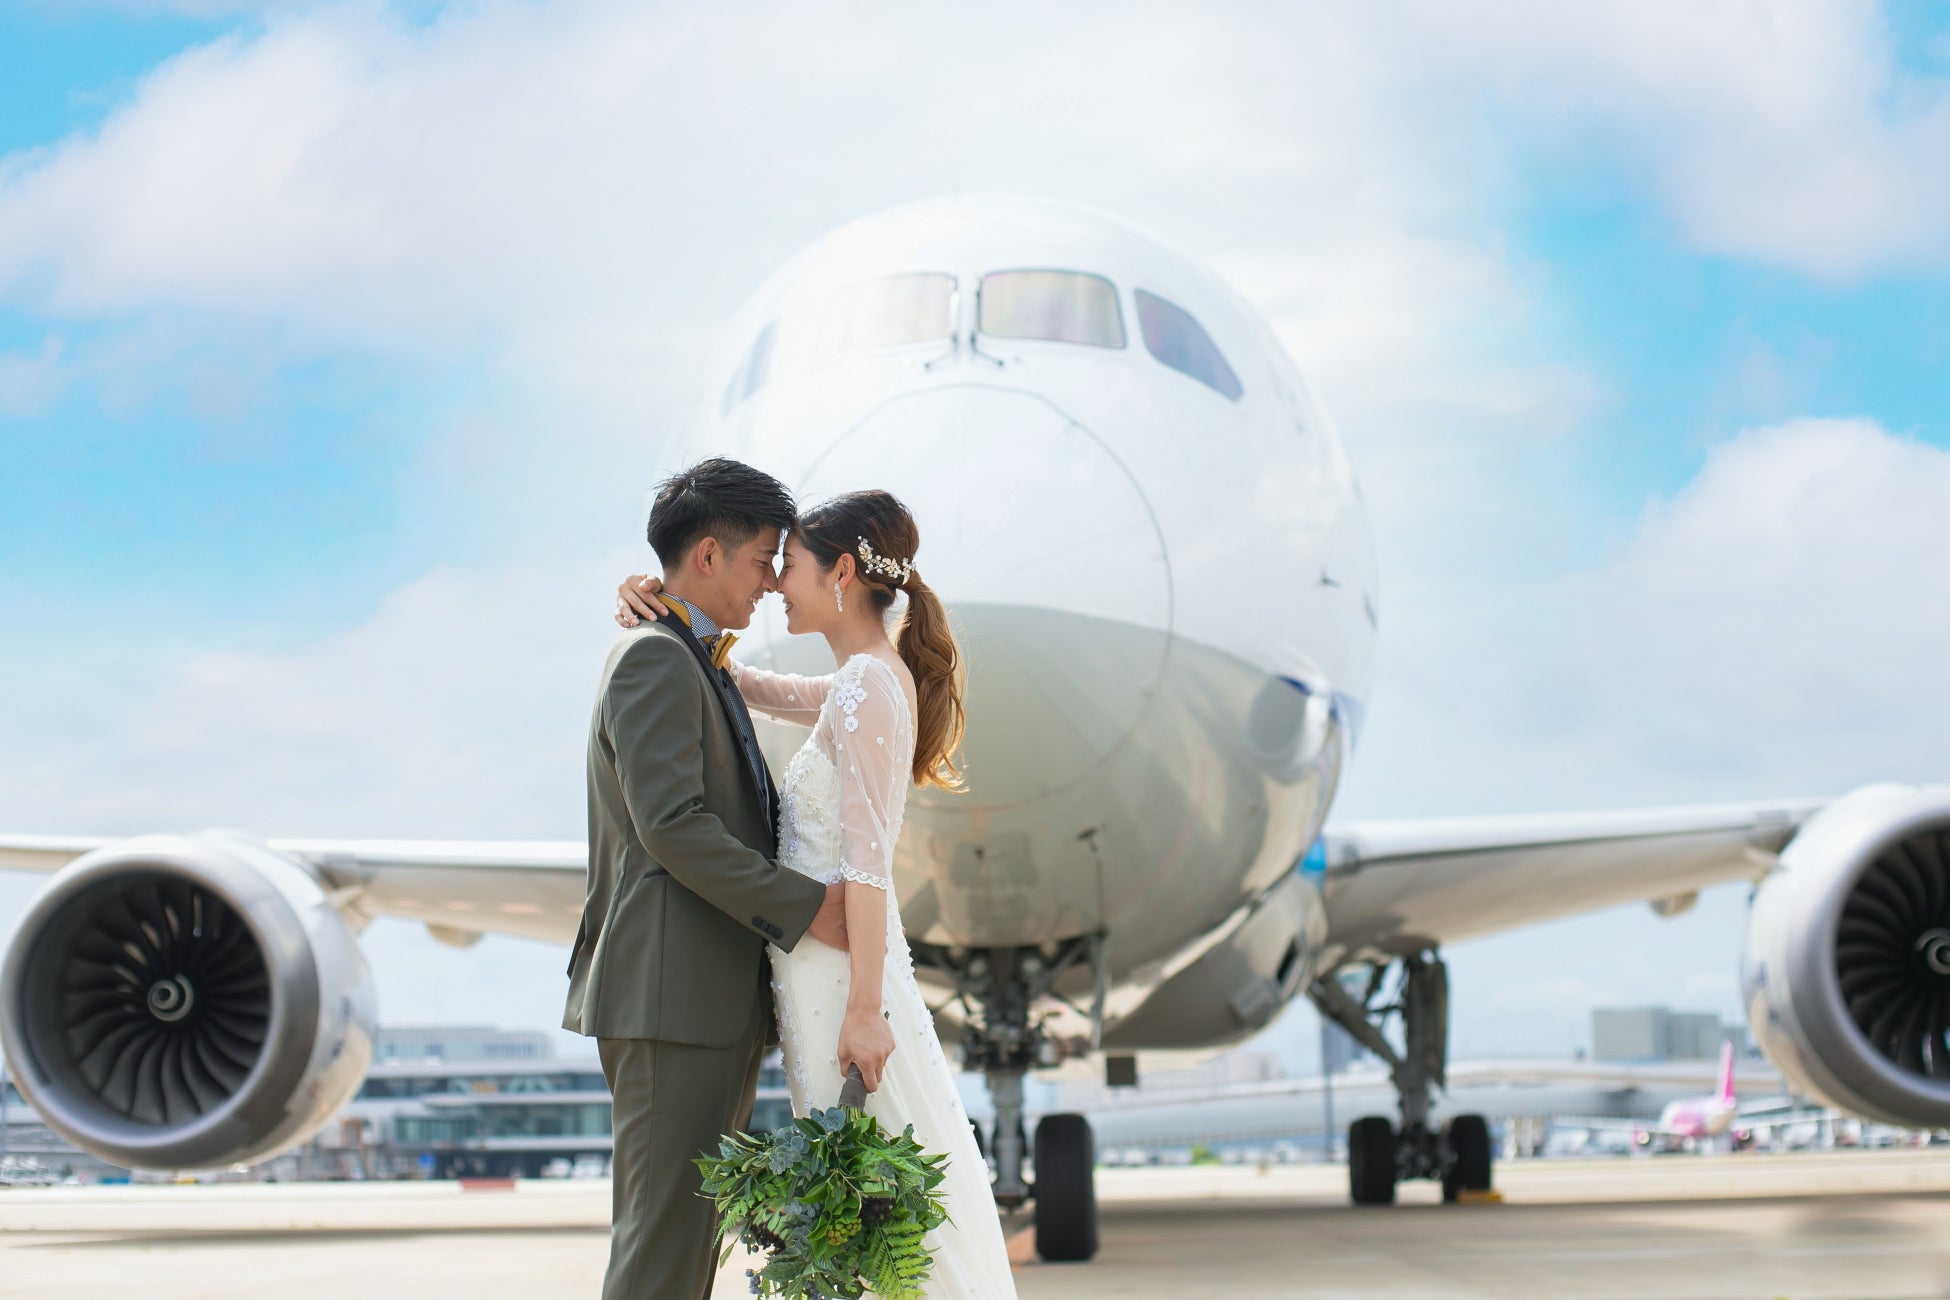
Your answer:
<point x="1052" y="565"/>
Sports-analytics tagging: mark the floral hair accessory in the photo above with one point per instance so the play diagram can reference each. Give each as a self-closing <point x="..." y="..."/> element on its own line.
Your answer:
<point x="895" y="571"/>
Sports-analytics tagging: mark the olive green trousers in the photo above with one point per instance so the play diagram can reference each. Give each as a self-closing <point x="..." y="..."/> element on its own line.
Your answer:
<point x="670" y="1103"/>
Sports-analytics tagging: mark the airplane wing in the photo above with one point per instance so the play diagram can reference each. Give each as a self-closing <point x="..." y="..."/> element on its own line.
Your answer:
<point x="1616" y="1076"/>
<point x="459" y="888"/>
<point x="534" y="890"/>
<point x="1390" y="886"/>
<point x="1393" y="887"/>
<point x="1609" y="1124"/>
<point x="45" y="852"/>
<point x="1759" y="1120"/>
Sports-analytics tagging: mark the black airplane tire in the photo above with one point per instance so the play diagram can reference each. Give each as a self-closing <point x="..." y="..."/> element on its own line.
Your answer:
<point x="1371" y="1161"/>
<point x="1466" y="1139"/>
<point x="1066" y="1189"/>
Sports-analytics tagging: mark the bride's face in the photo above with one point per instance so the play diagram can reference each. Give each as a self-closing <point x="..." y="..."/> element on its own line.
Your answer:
<point x="808" y="593"/>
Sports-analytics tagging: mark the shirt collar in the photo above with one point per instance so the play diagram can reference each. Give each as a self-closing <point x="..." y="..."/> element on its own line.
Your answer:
<point x="694" y="618"/>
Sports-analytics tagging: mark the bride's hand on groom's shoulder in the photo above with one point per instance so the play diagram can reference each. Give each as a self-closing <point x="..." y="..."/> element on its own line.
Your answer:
<point x="634" y="600"/>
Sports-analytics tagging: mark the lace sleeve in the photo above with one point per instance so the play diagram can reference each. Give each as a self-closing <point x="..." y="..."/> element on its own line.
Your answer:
<point x="785" y="696"/>
<point x="872" y="754"/>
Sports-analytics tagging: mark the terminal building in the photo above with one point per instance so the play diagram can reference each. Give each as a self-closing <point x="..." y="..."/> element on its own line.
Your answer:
<point x="420" y="1043"/>
<point x="479" y="1102"/>
<point x="472" y="1101"/>
<point x="31" y="1152"/>
<point x="443" y="1102"/>
<point x="1659" y="1034"/>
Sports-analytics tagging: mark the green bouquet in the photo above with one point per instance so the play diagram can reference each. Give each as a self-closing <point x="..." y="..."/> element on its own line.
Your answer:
<point x="839" y="1205"/>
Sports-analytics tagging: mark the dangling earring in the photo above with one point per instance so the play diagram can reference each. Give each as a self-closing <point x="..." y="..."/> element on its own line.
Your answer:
<point x="839" y="598"/>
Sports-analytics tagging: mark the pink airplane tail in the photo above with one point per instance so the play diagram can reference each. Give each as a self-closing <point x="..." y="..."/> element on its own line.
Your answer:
<point x="1726" y="1072"/>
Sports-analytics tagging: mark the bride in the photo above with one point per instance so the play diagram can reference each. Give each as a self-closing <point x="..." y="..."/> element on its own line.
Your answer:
<point x="888" y="716"/>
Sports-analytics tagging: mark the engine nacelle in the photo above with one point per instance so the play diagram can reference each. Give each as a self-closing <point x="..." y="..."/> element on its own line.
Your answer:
<point x="1235" y="988"/>
<point x="185" y="1002"/>
<point x="1846" y="973"/>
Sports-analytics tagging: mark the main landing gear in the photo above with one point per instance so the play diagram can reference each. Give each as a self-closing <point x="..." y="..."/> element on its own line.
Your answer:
<point x="998" y="988"/>
<point x="1379" y="1154"/>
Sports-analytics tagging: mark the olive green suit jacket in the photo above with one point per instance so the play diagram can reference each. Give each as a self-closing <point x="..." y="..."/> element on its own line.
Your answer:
<point x="684" y="890"/>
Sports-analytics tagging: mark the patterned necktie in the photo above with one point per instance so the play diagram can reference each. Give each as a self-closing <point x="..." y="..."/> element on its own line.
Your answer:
<point x="720" y="647"/>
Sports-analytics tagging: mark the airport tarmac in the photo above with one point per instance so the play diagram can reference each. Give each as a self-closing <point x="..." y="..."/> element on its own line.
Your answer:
<point x="1846" y="1224"/>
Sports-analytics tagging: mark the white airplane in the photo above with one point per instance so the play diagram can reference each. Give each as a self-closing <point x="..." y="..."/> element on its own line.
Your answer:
<point x="1161" y="566"/>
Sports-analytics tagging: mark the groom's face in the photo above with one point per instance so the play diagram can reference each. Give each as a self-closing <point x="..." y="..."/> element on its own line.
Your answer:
<point x="740" y="578"/>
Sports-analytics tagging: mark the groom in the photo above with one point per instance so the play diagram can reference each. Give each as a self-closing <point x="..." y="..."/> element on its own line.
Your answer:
<point x="669" y="972"/>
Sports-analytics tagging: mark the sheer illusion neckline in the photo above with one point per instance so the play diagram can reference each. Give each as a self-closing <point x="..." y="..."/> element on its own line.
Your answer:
<point x="892" y="663"/>
<point x="894" y="667"/>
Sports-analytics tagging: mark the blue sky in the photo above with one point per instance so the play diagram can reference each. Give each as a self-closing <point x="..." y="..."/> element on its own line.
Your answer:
<point x="210" y="476"/>
<point x="310" y="452"/>
<point x="68" y="67"/>
<point x="151" y="494"/>
<point x="1697" y="346"/>
<point x="326" y="330"/>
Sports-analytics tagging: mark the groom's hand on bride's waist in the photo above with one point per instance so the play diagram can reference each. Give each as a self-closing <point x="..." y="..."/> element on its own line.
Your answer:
<point x="829" y="923"/>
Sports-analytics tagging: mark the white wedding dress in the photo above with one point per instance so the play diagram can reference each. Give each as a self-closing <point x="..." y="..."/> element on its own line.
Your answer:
<point x="843" y="797"/>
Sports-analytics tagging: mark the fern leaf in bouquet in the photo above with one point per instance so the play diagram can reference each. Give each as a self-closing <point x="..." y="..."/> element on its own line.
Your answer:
<point x="839" y="1205"/>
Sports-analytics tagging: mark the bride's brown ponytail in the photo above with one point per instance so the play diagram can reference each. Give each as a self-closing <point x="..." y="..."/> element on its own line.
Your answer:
<point x="925" y="642"/>
<point x="927" y="646"/>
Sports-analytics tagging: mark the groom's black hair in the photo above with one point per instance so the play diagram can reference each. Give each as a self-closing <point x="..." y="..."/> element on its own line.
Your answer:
<point x="725" y="499"/>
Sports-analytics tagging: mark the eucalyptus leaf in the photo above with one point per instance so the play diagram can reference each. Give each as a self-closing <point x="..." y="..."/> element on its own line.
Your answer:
<point x="797" y="1194"/>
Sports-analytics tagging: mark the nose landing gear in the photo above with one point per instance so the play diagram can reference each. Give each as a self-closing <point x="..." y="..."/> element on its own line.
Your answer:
<point x="998" y="988"/>
<point x="1066" y="1188"/>
<point x="1380" y="1154"/>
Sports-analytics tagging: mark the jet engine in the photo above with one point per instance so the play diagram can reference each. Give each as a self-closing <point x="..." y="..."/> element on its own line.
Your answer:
<point x="185" y="1002"/>
<point x="1234" y="988"/>
<point x="1847" y="967"/>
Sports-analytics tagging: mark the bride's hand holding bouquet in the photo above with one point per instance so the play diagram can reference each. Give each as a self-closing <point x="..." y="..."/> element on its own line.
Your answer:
<point x="840" y="1205"/>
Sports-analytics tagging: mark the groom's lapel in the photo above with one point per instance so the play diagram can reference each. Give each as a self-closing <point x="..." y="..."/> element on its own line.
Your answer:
<point x="733" y="705"/>
<point x="728" y="692"/>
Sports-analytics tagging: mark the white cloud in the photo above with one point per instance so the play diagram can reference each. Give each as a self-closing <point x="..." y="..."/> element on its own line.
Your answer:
<point x="30" y="382"/>
<point x="585" y="190"/>
<point x="1767" y="631"/>
<point x="1782" y="131"/>
<point x="1790" y="586"/>
<point x="184" y="8"/>
<point x="580" y="193"/>
<point x="603" y="178"/>
<point x="457" y="710"/>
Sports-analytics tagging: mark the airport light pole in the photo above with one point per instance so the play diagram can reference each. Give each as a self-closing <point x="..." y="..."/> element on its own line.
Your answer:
<point x="1327" y="1089"/>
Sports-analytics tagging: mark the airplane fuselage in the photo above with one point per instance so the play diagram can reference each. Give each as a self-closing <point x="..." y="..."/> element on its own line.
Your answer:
<point x="1699" y="1117"/>
<point x="1146" y="531"/>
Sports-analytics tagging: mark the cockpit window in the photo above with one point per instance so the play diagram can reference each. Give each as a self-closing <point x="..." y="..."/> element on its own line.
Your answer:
<point x="894" y="311"/>
<point x="1175" y="337"/>
<point x="1062" y="306"/>
<point x="757" y="368"/>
